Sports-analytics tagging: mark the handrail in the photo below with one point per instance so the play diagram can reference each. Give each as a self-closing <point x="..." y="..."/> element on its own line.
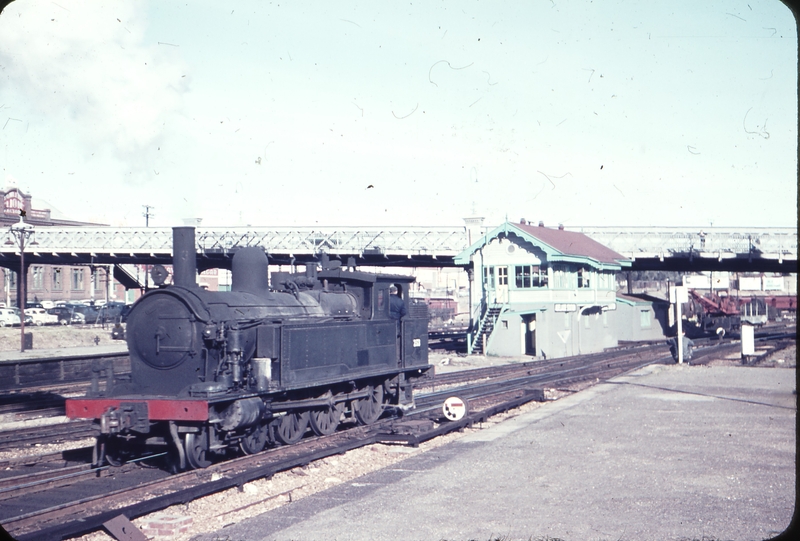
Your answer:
<point x="476" y="316"/>
<point x="489" y="338"/>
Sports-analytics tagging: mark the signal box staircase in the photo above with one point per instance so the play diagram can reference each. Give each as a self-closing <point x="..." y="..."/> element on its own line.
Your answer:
<point x="485" y="327"/>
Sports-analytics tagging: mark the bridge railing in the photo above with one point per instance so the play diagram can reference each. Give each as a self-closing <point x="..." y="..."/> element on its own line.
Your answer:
<point x="445" y="241"/>
<point x="769" y="242"/>
<point x="774" y="243"/>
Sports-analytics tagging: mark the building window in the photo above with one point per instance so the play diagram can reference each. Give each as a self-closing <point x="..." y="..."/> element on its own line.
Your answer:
<point x="57" y="279"/>
<point x="97" y="280"/>
<point x="522" y="275"/>
<point x="583" y="277"/>
<point x="502" y="276"/>
<point x="488" y="277"/>
<point x="77" y="279"/>
<point x="644" y="318"/>
<point x="530" y="276"/>
<point x="37" y="274"/>
<point x="12" y="279"/>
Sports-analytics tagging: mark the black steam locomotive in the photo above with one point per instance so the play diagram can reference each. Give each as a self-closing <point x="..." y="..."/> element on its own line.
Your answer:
<point x="258" y="365"/>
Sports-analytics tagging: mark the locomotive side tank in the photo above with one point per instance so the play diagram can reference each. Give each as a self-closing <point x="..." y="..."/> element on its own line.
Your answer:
<point x="258" y="365"/>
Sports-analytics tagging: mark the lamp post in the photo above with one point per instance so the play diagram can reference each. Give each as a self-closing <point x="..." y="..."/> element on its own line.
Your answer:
<point x="21" y="231"/>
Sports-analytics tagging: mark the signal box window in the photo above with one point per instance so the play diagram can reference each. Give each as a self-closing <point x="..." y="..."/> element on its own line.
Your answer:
<point x="583" y="278"/>
<point x="527" y="276"/>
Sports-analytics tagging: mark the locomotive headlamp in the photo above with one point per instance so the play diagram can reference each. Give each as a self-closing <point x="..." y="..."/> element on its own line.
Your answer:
<point x="159" y="275"/>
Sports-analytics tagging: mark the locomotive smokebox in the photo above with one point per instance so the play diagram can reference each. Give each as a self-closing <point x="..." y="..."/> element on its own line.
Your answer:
<point x="184" y="257"/>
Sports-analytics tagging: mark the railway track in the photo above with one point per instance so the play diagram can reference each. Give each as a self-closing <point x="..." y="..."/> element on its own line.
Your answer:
<point x="38" y="504"/>
<point x="39" y="404"/>
<point x="134" y="490"/>
<point x="51" y="433"/>
<point x="68" y="372"/>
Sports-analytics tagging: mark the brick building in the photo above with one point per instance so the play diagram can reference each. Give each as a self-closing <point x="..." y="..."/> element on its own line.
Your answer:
<point x="68" y="282"/>
<point x="46" y="282"/>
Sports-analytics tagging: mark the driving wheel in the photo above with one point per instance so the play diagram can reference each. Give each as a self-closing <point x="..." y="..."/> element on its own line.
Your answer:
<point x="369" y="408"/>
<point x="197" y="454"/>
<point x="292" y="427"/>
<point x="255" y="441"/>
<point x="325" y="420"/>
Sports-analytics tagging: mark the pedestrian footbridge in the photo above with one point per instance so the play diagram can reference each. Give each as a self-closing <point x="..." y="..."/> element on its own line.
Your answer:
<point x="760" y="249"/>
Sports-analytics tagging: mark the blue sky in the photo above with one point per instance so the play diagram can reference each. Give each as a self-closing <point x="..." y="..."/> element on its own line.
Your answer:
<point x="379" y="113"/>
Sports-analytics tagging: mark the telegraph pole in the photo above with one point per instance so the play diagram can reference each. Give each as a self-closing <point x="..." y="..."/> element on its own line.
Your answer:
<point x="147" y="214"/>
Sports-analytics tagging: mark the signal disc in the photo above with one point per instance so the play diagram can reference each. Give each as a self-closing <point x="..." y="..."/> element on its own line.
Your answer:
<point x="454" y="408"/>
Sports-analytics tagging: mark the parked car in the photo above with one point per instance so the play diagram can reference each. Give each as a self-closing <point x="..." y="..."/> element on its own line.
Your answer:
<point x="8" y="317"/>
<point x="41" y="317"/>
<point x="91" y="315"/>
<point x="111" y="312"/>
<point x="123" y="314"/>
<point x="28" y="318"/>
<point x="67" y="315"/>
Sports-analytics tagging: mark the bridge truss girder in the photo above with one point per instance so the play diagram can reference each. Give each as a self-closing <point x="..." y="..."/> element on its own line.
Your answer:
<point x="650" y="248"/>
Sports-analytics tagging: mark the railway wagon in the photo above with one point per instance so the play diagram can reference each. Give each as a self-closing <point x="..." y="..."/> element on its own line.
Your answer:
<point x="215" y="373"/>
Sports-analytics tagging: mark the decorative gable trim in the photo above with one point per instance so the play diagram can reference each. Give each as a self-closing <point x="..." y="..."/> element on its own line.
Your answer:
<point x="510" y="230"/>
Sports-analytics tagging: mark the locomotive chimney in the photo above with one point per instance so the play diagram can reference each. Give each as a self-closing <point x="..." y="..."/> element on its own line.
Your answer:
<point x="184" y="257"/>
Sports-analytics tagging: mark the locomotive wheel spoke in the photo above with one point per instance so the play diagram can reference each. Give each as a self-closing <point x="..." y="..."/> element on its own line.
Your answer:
<point x="255" y="441"/>
<point x="325" y="421"/>
<point x="370" y="408"/>
<point x="197" y="450"/>
<point x="292" y="427"/>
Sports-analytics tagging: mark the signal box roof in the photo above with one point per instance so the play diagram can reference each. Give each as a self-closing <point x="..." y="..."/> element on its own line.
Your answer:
<point x="559" y="244"/>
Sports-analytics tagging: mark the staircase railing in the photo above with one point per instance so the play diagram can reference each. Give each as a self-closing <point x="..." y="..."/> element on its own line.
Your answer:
<point x="476" y="316"/>
<point x="492" y="315"/>
<point x="487" y="319"/>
